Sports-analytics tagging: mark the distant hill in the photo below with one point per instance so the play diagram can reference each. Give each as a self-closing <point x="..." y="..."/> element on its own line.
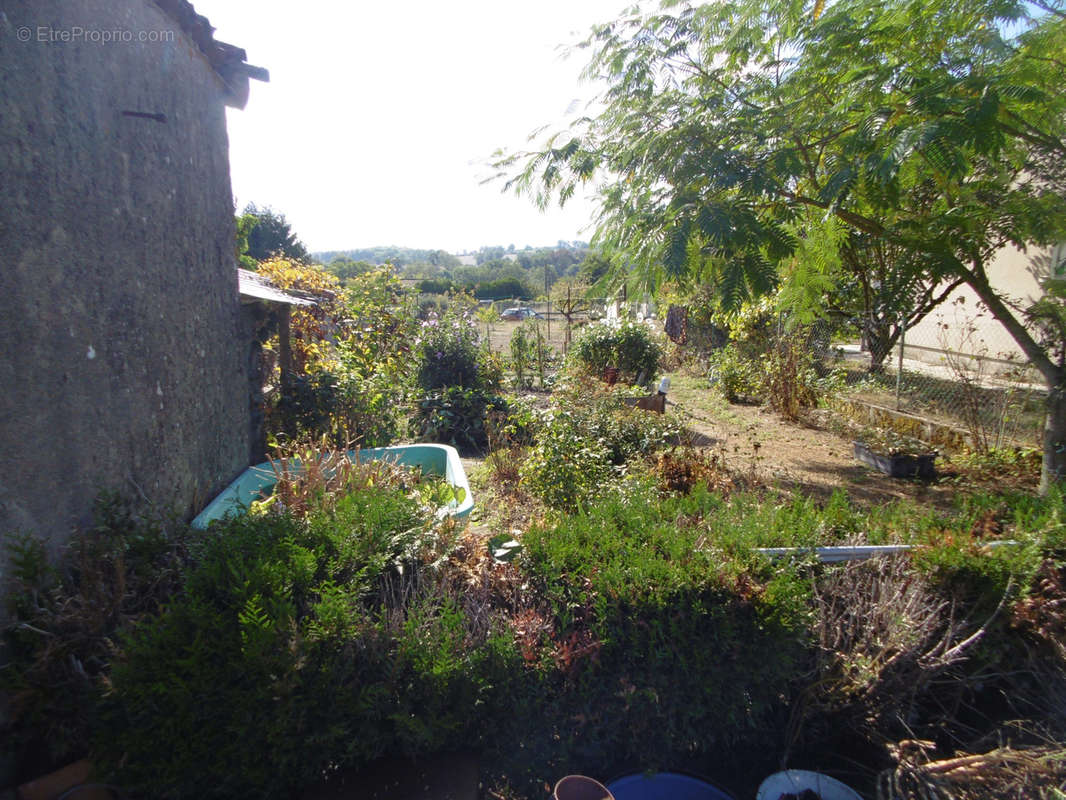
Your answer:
<point x="400" y="256"/>
<point x="487" y="272"/>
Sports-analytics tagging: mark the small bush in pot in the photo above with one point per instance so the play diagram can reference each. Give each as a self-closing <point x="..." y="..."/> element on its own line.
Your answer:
<point x="630" y="346"/>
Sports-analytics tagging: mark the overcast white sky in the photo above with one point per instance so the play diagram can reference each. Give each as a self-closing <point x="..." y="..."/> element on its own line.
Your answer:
<point x="379" y="116"/>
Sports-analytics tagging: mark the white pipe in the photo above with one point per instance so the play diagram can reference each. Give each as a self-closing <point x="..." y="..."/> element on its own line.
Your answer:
<point x="832" y="555"/>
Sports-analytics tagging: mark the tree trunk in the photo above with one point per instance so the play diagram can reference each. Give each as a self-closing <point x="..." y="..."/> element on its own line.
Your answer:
<point x="1054" y="465"/>
<point x="1054" y="462"/>
<point x="880" y="339"/>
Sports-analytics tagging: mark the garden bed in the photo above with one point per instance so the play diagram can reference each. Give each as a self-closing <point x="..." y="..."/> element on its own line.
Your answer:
<point x="897" y="465"/>
<point x="432" y="459"/>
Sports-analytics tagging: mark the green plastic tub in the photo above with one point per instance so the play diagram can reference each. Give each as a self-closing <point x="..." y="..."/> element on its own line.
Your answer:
<point x="257" y="481"/>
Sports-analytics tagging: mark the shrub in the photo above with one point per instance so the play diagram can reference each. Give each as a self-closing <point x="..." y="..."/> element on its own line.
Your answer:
<point x="448" y="353"/>
<point x="785" y="375"/>
<point x="66" y="620"/>
<point x="313" y="644"/>
<point x="457" y="416"/>
<point x="640" y="608"/>
<point x="627" y="432"/>
<point x="791" y="377"/>
<point x="737" y="378"/>
<point x="630" y="346"/>
<point x="370" y="410"/>
<point x="524" y="354"/>
<point x="517" y="426"/>
<point x="347" y="407"/>
<point x="355" y="390"/>
<point x="566" y="467"/>
<point x="530" y="355"/>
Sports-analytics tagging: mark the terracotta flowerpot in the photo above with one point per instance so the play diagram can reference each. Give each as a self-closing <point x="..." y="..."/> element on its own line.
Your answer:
<point x="578" y="787"/>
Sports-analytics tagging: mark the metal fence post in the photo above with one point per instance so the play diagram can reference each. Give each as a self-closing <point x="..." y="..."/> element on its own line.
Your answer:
<point x="899" y="368"/>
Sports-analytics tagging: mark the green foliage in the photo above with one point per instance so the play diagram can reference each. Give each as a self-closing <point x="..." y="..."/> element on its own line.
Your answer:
<point x="244" y="224"/>
<point x="457" y="378"/>
<point x="503" y="289"/>
<point x="584" y="445"/>
<point x="771" y="359"/>
<point x="289" y="643"/>
<point x="654" y="637"/>
<point x="66" y="617"/>
<point x="271" y="235"/>
<point x="399" y="257"/>
<point x="736" y="377"/>
<point x="523" y="355"/>
<point x="627" y="433"/>
<point x="565" y="468"/>
<point x="457" y="416"/>
<point x="791" y="378"/>
<point x="346" y="269"/>
<point x="530" y="355"/>
<point x="935" y="133"/>
<point x="517" y="427"/>
<point x="356" y="389"/>
<point x="382" y="325"/>
<point x="630" y="346"/>
<point x="435" y="286"/>
<point x="448" y="353"/>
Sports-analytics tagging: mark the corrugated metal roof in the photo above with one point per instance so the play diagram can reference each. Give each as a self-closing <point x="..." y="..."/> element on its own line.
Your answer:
<point x="258" y="287"/>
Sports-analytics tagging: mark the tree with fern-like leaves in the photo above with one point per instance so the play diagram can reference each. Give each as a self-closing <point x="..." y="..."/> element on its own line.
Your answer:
<point x="932" y="133"/>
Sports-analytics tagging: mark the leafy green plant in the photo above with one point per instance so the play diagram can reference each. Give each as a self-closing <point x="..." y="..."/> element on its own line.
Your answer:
<point x="629" y="346"/>
<point x="791" y="377"/>
<point x="66" y="618"/>
<point x="626" y="432"/>
<point x="640" y="603"/>
<point x="448" y="353"/>
<point x="737" y="378"/>
<point x="456" y="415"/>
<point x="355" y="388"/>
<point x="317" y="643"/>
<point x="530" y="355"/>
<point x="523" y="355"/>
<point x="565" y="468"/>
<point x="312" y="475"/>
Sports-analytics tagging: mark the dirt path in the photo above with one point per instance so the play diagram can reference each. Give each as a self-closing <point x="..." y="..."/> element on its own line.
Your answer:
<point x="805" y="455"/>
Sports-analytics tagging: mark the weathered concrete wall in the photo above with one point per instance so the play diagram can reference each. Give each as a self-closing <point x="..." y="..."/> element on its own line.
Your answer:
<point x="122" y="366"/>
<point x="1017" y="275"/>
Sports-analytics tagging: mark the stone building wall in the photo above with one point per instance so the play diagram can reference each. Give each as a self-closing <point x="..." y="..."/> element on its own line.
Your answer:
<point x="121" y="360"/>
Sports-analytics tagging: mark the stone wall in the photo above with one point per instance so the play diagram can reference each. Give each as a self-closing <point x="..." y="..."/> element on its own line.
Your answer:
<point x="122" y="363"/>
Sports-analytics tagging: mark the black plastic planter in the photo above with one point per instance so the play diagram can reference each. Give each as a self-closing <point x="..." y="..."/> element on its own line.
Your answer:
<point x="902" y="465"/>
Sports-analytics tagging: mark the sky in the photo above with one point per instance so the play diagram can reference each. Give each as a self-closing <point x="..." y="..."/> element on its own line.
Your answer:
<point x="379" y="119"/>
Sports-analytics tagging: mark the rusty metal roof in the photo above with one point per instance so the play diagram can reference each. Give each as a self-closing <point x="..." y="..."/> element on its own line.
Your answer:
<point x="254" y="286"/>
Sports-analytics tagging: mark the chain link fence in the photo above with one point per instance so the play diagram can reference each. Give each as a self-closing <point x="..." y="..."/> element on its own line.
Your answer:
<point x="956" y="370"/>
<point x="946" y="370"/>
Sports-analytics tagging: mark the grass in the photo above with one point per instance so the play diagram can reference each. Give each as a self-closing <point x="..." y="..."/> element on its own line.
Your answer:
<point x="694" y="396"/>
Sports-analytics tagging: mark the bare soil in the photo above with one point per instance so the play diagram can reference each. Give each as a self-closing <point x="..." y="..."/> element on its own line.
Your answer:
<point x="813" y="455"/>
<point x="553" y="329"/>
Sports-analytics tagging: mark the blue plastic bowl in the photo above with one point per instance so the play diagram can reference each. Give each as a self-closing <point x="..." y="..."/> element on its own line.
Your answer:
<point x="665" y="786"/>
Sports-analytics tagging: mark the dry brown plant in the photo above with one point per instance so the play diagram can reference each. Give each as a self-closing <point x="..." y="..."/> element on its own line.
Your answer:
<point x="314" y="474"/>
<point x="1005" y="773"/>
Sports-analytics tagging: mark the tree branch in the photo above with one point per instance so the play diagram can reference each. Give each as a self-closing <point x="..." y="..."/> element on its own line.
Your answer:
<point x="978" y="281"/>
<point x="864" y="224"/>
